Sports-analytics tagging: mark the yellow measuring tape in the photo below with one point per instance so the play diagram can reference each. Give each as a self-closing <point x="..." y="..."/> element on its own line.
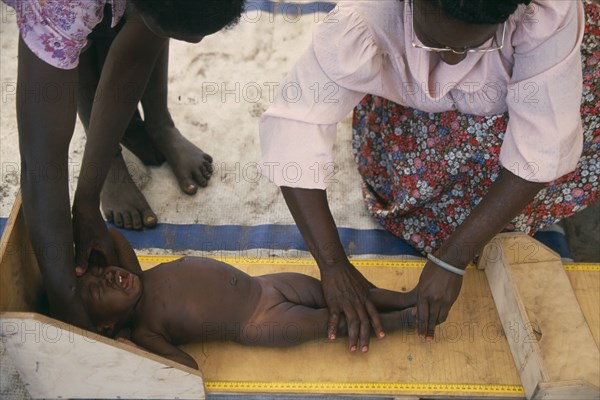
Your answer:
<point x="360" y="387"/>
<point x="358" y="263"/>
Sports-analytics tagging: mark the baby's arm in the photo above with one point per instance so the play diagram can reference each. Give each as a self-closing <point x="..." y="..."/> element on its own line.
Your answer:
<point x="157" y="344"/>
<point x="389" y="300"/>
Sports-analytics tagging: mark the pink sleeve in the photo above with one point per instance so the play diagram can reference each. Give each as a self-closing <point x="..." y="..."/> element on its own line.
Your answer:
<point x="544" y="138"/>
<point x="298" y="131"/>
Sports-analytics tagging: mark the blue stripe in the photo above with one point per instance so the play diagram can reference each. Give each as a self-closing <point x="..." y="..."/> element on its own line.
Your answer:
<point x="273" y="237"/>
<point x="283" y="237"/>
<point x="212" y="238"/>
<point x="3" y="222"/>
<point x="291" y="9"/>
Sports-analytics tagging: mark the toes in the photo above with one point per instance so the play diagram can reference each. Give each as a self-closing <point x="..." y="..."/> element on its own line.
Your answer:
<point x="188" y="186"/>
<point x="134" y="219"/>
<point x="149" y="218"/>
<point x="118" y="219"/>
<point x="127" y="220"/>
<point x="108" y="214"/>
<point x="208" y="158"/>
<point x="206" y="170"/>
<point x="137" y="221"/>
<point x="200" y="177"/>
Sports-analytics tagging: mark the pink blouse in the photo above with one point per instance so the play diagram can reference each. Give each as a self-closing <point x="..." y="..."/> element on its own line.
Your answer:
<point x="365" y="47"/>
<point x="56" y="30"/>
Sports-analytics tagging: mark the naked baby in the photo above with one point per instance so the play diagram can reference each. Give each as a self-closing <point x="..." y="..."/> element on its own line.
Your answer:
<point x="199" y="299"/>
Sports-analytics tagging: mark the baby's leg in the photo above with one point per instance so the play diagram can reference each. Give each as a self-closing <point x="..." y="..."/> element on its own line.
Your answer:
<point x="294" y="311"/>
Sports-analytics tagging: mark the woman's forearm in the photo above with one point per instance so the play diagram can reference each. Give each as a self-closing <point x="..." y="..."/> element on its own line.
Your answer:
<point x="45" y="130"/>
<point x="346" y="291"/>
<point x="507" y="196"/>
<point x="312" y="215"/>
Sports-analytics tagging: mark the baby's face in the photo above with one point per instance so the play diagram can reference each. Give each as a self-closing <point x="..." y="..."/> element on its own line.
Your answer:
<point x="109" y="294"/>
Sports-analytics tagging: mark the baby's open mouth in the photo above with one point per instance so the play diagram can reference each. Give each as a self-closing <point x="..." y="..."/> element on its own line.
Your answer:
<point x="120" y="280"/>
<point x="124" y="280"/>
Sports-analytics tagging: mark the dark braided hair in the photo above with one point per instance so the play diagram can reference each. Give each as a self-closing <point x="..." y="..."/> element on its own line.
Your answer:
<point x="192" y="16"/>
<point x="478" y="11"/>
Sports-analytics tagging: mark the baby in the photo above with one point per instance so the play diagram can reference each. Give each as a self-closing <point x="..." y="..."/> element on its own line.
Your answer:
<point x="199" y="299"/>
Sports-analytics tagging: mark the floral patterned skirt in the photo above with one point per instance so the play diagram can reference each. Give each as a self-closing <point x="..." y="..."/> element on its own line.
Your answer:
<point x="423" y="185"/>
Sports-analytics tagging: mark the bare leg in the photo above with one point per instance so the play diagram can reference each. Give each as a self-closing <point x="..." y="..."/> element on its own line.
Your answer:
<point x="192" y="167"/>
<point x="297" y="312"/>
<point x="122" y="202"/>
<point x="136" y="138"/>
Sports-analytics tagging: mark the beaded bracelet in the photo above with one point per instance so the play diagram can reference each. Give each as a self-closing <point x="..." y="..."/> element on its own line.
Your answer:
<point x="445" y="265"/>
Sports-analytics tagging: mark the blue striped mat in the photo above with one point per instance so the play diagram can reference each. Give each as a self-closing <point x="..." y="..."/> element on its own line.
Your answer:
<point x="238" y="238"/>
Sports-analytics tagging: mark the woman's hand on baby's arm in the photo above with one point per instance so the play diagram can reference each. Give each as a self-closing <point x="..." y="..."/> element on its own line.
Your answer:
<point x="347" y="292"/>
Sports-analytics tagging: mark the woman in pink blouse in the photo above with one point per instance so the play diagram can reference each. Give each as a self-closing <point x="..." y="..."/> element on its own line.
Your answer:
<point x="53" y="34"/>
<point x="473" y="125"/>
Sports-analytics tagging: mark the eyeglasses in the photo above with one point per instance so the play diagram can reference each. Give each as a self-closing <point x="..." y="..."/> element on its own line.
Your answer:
<point x="498" y="46"/>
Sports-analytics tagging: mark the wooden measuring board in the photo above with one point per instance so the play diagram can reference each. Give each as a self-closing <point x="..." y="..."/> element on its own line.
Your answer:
<point x="60" y="361"/>
<point x="470" y="357"/>
<point x="553" y="347"/>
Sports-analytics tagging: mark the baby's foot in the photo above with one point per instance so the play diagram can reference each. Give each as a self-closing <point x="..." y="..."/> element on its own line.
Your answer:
<point x="192" y="167"/>
<point x="137" y="140"/>
<point x="121" y="200"/>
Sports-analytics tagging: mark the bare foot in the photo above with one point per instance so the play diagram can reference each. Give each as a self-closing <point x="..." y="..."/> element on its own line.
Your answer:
<point x="192" y="167"/>
<point x="121" y="200"/>
<point x="137" y="140"/>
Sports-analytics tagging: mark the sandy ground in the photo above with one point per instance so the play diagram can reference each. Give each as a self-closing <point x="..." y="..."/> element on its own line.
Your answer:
<point x="217" y="92"/>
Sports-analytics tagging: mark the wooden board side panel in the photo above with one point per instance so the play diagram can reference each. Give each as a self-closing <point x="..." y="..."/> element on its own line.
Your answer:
<point x="61" y="361"/>
<point x="518" y="330"/>
<point x="20" y="279"/>
<point x="572" y="390"/>
<point x="546" y="330"/>
<point x="567" y="347"/>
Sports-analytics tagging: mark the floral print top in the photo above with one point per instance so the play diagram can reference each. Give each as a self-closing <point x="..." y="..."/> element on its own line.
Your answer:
<point x="56" y="30"/>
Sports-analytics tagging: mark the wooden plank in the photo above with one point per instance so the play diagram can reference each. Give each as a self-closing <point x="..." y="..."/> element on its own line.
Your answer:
<point x="586" y="285"/>
<point x="20" y="279"/>
<point x="60" y="361"/>
<point x="552" y="345"/>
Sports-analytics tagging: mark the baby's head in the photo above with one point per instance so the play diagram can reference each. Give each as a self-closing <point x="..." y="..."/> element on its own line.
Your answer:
<point x="110" y="296"/>
<point x="189" y="20"/>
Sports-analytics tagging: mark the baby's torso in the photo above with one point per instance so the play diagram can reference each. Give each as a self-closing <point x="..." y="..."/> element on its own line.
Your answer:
<point x="197" y="299"/>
